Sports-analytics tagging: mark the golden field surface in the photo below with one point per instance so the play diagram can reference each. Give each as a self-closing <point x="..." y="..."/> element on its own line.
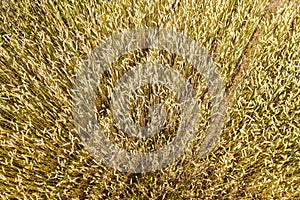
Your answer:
<point x="255" y="45"/>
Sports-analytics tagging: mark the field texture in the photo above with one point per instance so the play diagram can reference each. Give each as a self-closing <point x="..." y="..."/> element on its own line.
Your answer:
<point x="255" y="45"/>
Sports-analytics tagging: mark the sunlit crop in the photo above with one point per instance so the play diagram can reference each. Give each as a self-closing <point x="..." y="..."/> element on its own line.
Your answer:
<point x="255" y="45"/>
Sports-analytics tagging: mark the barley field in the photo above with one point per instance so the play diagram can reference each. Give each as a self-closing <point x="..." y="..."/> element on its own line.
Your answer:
<point x="255" y="45"/>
